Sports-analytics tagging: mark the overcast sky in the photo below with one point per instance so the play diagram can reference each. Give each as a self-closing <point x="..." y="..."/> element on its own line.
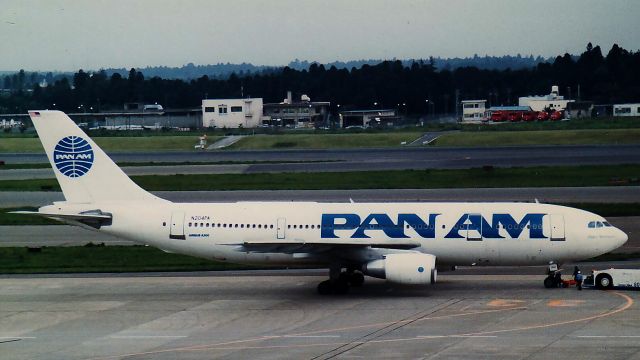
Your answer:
<point x="92" y="34"/>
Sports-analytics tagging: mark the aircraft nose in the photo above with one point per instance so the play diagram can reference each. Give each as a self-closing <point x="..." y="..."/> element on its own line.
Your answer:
<point x="622" y="236"/>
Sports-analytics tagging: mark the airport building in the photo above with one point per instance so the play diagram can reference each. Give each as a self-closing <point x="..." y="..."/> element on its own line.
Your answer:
<point x="297" y="114"/>
<point x="369" y="118"/>
<point x="232" y="113"/>
<point x="626" y="109"/>
<point x="553" y="101"/>
<point x="473" y="111"/>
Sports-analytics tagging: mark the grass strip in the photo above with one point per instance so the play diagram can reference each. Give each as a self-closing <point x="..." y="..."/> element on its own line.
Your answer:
<point x="325" y="141"/>
<point x="172" y="163"/>
<point x="100" y="258"/>
<point x="540" y="137"/>
<point x="120" y="143"/>
<point x="489" y="177"/>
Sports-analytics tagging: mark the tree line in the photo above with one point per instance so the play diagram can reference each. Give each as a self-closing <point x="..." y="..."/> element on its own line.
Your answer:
<point x="416" y="88"/>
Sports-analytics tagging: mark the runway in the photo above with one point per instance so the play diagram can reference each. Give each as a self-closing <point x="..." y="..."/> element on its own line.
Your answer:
<point x="339" y="160"/>
<point x="281" y="316"/>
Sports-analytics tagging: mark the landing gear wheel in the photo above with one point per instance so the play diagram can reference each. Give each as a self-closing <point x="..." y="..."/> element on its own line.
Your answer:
<point x="325" y="288"/>
<point x="356" y="279"/>
<point x="341" y="286"/>
<point x="337" y="287"/>
<point x="550" y="282"/>
<point x="604" y="281"/>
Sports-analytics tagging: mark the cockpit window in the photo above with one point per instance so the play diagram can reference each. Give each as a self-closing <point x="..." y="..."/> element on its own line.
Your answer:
<point x="606" y="223"/>
<point x="599" y="224"/>
<point x="592" y="224"/>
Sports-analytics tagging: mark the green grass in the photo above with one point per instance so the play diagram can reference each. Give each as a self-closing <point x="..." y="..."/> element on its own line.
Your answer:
<point x="140" y="143"/>
<point x="94" y="258"/>
<point x="536" y="137"/>
<point x="169" y="163"/>
<point x="585" y="123"/>
<point x="542" y="176"/>
<point x="325" y="141"/>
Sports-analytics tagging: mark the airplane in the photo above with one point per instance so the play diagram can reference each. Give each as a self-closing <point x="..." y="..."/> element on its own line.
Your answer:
<point x="405" y="242"/>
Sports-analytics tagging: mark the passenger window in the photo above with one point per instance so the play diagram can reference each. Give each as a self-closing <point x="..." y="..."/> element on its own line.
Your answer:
<point x="164" y="223"/>
<point x="189" y="224"/>
<point x="592" y="224"/>
<point x="271" y="226"/>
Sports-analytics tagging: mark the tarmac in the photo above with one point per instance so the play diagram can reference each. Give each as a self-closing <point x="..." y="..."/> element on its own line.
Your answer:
<point x="250" y="315"/>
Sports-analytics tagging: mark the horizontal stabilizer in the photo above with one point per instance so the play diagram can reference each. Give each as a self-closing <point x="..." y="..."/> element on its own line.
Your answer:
<point x="93" y="218"/>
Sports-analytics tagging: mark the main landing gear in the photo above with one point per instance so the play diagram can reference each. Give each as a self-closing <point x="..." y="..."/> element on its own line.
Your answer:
<point x="340" y="281"/>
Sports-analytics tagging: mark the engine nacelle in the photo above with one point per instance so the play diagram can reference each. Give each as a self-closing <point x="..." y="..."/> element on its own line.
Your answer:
<point x="410" y="268"/>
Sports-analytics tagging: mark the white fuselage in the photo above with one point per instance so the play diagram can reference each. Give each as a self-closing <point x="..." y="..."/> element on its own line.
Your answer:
<point x="456" y="233"/>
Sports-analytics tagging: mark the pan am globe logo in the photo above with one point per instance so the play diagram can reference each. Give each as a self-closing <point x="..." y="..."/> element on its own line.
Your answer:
<point x="73" y="156"/>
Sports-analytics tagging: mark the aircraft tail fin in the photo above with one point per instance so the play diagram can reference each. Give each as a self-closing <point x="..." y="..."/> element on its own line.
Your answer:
<point x="85" y="173"/>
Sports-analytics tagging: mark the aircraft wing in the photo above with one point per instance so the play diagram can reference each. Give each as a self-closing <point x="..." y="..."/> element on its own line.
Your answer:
<point x="296" y="246"/>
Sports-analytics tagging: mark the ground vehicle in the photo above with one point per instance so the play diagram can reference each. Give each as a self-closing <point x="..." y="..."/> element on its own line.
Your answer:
<point x="152" y="107"/>
<point x="543" y="116"/>
<point x="529" y="115"/>
<point x="515" y="116"/>
<point x="499" y="116"/>
<point x="610" y="278"/>
<point x="556" y="115"/>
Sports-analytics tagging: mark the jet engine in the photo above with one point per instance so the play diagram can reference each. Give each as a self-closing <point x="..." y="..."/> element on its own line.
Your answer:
<point x="406" y="268"/>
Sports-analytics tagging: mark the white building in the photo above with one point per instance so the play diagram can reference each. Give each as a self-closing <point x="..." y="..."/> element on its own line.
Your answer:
<point x="473" y="110"/>
<point x="626" y="109"/>
<point x="231" y="113"/>
<point x="552" y="101"/>
<point x="10" y="124"/>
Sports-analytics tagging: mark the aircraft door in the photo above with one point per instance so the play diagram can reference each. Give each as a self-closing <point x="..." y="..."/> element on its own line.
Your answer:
<point x="176" y="230"/>
<point x="557" y="227"/>
<point x="282" y="224"/>
<point x="474" y="227"/>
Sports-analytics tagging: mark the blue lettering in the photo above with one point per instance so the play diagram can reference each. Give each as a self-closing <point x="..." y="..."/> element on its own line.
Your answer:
<point x="382" y="222"/>
<point x="514" y="229"/>
<point x="425" y="230"/>
<point x="329" y="226"/>
<point x="478" y="223"/>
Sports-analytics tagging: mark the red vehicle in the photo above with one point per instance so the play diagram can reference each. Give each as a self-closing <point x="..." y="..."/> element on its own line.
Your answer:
<point x="529" y="115"/>
<point x="557" y="116"/>
<point x="515" y="116"/>
<point x="543" y="116"/>
<point x="499" y="116"/>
